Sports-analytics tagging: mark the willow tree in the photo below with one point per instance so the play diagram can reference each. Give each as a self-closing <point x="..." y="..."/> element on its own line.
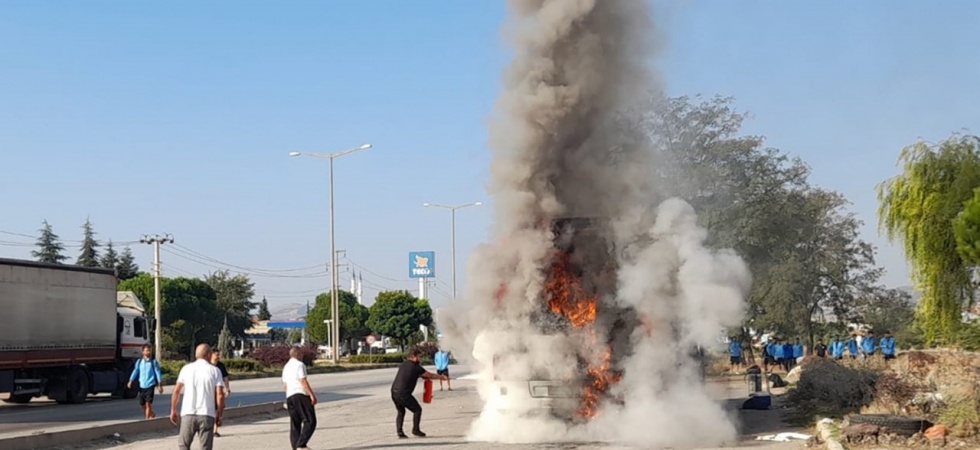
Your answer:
<point x="917" y="208"/>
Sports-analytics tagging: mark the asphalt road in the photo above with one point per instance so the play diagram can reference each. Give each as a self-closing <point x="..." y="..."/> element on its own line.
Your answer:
<point x="44" y="415"/>
<point x="364" y="422"/>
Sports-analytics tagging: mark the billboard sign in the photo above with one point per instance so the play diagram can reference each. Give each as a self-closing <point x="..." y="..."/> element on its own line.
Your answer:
<point x="421" y="264"/>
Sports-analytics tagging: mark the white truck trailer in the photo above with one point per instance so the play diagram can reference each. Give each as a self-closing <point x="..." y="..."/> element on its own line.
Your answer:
<point x="67" y="333"/>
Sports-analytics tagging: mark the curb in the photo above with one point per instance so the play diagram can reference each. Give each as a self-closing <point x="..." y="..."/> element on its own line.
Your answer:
<point x="72" y="437"/>
<point x="826" y="432"/>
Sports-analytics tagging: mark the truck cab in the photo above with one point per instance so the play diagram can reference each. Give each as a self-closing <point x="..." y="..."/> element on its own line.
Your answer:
<point x="132" y="326"/>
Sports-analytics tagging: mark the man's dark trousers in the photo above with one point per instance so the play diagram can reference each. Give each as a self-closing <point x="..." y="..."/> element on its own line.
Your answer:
<point x="403" y="402"/>
<point x="302" y="420"/>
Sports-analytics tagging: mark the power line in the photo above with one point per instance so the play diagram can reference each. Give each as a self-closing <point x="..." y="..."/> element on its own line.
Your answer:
<point x="297" y="269"/>
<point x="217" y="264"/>
<point x="69" y="243"/>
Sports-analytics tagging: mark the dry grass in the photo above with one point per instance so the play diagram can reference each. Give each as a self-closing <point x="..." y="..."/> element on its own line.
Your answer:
<point x="829" y="389"/>
<point x="953" y="376"/>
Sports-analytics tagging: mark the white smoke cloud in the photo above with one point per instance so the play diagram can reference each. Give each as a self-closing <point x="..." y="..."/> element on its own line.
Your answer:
<point x="561" y="151"/>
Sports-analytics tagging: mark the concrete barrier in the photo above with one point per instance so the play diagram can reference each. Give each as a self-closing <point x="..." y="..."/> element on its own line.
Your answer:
<point x="125" y="429"/>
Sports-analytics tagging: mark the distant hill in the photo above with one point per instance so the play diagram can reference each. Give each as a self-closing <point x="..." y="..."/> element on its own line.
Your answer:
<point x="288" y="311"/>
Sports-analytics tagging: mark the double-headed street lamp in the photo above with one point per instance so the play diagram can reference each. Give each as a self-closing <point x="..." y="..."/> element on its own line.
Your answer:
<point x="335" y="281"/>
<point x="452" y="209"/>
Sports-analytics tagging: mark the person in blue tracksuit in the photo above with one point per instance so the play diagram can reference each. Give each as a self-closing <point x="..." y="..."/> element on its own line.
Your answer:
<point x="868" y="346"/>
<point x="788" y="356"/>
<point x="770" y="356"/>
<point x="147" y="371"/>
<point x="777" y="352"/>
<point x="887" y="344"/>
<point x="837" y="348"/>
<point x="797" y="350"/>
<point x="852" y="347"/>
<point x="735" y="354"/>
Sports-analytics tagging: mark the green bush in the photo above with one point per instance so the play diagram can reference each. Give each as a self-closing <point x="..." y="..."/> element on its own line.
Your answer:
<point x="171" y="368"/>
<point x="241" y="365"/>
<point x="385" y="358"/>
<point x="969" y="336"/>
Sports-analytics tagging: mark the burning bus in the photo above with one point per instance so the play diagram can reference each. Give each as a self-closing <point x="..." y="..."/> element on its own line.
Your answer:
<point x="570" y="381"/>
<point x="564" y="361"/>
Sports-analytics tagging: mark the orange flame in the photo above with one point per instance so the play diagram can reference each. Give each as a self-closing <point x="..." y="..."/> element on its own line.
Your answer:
<point x="567" y="297"/>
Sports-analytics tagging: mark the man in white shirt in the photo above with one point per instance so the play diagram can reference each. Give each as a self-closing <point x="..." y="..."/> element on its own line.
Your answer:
<point x="300" y="400"/>
<point x="201" y="384"/>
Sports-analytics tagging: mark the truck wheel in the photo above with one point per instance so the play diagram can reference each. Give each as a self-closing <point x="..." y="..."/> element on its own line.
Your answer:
<point x="20" y="399"/>
<point x="77" y="385"/>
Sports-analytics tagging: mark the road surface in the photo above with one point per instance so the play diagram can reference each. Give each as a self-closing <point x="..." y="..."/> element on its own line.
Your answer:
<point x="45" y="415"/>
<point x="364" y="421"/>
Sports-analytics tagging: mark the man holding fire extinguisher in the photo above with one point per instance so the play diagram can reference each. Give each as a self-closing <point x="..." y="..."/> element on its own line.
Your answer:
<point x="402" y="388"/>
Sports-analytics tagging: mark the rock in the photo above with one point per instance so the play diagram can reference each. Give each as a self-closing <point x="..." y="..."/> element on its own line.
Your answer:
<point x="936" y="431"/>
<point x="794" y="375"/>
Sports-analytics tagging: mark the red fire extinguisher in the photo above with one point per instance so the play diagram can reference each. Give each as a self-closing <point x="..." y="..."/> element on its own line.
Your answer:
<point x="427" y="395"/>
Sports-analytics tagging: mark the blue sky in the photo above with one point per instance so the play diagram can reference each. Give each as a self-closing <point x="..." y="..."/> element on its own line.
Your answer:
<point x="177" y="118"/>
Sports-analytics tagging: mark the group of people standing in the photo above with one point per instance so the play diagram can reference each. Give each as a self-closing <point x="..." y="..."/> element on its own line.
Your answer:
<point x="785" y="355"/>
<point x="865" y="347"/>
<point x="204" y="386"/>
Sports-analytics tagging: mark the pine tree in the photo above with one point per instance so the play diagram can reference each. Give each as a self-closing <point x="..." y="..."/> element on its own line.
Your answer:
<point x="264" y="313"/>
<point x="89" y="256"/>
<point x="49" y="246"/>
<point x="224" y="341"/>
<point x="127" y="268"/>
<point x="110" y="259"/>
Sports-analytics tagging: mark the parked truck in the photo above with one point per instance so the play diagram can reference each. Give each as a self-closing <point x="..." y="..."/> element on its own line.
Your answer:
<point x="67" y="333"/>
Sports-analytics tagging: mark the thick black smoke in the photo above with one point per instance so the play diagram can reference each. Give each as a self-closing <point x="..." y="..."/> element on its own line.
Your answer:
<point x="564" y="161"/>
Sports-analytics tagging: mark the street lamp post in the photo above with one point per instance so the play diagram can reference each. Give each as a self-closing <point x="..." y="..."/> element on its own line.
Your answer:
<point x="335" y="281"/>
<point x="452" y="209"/>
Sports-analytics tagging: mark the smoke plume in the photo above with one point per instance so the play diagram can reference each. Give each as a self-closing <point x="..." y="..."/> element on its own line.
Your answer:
<point x="593" y="281"/>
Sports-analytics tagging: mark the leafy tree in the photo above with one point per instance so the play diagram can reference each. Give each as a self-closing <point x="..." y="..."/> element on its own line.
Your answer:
<point x="89" y="257"/>
<point x="110" y="259"/>
<point x="918" y="208"/>
<point x="264" y="313"/>
<point x="890" y="310"/>
<point x="396" y="314"/>
<point x="127" y="268"/>
<point x="353" y="318"/>
<point x="225" y="340"/>
<point x="966" y="229"/>
<point x="189" y="309"/>
<point x="234" y="294"/>
<point x="49" y="246"/>
<point x="801" y="246"/>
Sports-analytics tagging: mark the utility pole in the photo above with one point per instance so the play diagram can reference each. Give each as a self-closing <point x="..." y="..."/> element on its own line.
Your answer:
<point x="334" y="279"/>
<point x="452" y="209"/>
<point x="155" y="241"/>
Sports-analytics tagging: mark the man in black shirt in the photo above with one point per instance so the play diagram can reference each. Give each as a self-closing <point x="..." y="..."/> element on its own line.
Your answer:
<point x="402" y="388"/>
<point x="821" y="349"/>
<point x="216" y="361"/>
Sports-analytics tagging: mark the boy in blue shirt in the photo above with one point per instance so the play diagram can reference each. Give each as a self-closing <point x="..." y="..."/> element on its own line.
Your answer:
<point x="888" y="345"/>
<point x="852" y="347"/>
<point x="837" y="348"/>
<point x="147" y="371"/>
<point x="868" y="345"/>
<point x="735" y="353"/>
<point x="441" y="360"/>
